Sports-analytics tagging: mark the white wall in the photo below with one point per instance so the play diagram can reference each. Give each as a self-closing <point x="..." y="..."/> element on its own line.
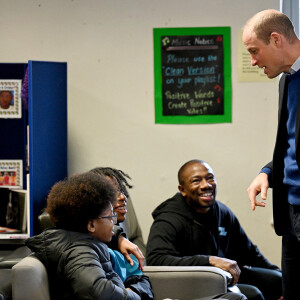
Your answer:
<point x="108" y="45"/>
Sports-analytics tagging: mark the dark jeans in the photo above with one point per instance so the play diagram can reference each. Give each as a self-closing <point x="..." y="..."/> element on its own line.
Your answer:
<point x="291" y="256"/>
<point x="260" y="283"/>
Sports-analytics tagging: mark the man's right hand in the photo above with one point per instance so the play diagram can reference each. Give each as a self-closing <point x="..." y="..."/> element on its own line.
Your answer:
<point x="260" y="184"/>
<point x="228" y="265"/>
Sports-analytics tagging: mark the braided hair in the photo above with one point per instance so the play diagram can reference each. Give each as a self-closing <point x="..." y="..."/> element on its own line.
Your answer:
<point x="120" y="176"/>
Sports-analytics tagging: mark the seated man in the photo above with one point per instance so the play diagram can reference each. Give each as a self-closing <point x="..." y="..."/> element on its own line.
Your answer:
<point x="193" y="229"/>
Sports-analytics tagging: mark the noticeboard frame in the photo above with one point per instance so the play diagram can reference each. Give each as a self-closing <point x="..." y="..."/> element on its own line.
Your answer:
<point x="158" y="97"/>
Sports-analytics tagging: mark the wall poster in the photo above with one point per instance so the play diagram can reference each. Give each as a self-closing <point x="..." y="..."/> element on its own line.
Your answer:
<point x="10" y="99"/>
<point x="192" y="75"/>
<point x="11" y="173"/>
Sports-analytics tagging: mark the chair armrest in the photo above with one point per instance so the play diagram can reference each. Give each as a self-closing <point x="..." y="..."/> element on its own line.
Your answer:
<point x="182" y="283"/>
<point x="30" y="280"/>
<point x="8" y="261"/>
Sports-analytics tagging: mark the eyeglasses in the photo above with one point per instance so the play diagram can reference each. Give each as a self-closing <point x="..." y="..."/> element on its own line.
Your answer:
<point x="113" y="218"/>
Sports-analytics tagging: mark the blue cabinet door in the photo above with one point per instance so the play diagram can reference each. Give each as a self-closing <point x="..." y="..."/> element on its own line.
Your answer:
<point x="47" y="121"/>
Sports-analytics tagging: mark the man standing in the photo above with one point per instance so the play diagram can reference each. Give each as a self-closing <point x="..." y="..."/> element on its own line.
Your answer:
<point x="270" y="38"/>
<point x="193" y="229"/>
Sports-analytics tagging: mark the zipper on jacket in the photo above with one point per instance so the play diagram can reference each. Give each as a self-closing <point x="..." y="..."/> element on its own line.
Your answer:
<point x="211" y="235"/>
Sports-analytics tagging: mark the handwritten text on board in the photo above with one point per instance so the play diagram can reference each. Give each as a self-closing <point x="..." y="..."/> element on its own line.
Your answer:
<point x="192" y="75"/>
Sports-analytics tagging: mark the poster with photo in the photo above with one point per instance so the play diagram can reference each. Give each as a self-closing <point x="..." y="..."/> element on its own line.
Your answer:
<point x="10" y="99"/>
<point x="11" y="173"/>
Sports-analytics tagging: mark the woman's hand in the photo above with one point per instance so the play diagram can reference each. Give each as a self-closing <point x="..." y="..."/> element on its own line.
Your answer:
<point x="126" y="248"/>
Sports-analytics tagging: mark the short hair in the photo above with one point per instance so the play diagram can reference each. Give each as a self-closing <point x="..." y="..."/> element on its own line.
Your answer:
<point x="76" y="200"/>
<point x="184" y="167"/>
<point x="5" y="91"/>
<point x="273" y="21"/>
<point x="120" y="176"/>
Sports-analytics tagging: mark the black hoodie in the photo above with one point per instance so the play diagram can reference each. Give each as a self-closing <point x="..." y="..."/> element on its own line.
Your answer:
<point x="180" y="236"/>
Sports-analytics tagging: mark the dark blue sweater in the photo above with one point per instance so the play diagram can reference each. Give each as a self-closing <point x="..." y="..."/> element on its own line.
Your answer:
<point x="291" y="170"/>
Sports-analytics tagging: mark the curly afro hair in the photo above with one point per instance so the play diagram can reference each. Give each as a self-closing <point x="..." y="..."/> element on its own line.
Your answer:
<point x="76" y="200"/>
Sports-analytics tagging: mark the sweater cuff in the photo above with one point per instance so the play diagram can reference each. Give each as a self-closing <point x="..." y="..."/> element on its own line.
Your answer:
<point x="267" y="171"/>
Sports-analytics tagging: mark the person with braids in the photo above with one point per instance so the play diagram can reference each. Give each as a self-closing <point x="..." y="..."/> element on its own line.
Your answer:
<point x="75" y="251"/>
<point x="124" y="206"/>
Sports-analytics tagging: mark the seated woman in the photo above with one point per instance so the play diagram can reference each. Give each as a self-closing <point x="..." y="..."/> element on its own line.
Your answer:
<point x="127" y="219"/>
<point x="74" y="252"/>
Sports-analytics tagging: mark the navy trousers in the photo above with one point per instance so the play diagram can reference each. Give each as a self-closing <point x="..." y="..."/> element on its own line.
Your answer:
<point x="290" y="261"/>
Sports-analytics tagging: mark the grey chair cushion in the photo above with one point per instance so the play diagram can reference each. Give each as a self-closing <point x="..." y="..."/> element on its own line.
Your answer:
<point x="186" y="283"/>
<point x="44" y="221"/>
<point x="5" y="284"/>
<point x="30" y="280"/>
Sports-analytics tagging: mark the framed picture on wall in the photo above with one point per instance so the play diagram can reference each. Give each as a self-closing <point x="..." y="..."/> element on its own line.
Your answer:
<point x="11" y="173"/>
<point x="10" y="99"/>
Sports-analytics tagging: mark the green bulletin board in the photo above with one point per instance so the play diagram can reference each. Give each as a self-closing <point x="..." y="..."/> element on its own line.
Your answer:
<point x="192" y="75"/>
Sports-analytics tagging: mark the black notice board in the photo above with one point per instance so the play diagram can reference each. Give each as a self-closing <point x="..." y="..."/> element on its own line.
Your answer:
<point x="192" y="75"/>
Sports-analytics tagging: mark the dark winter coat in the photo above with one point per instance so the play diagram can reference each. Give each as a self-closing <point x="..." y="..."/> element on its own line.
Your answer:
<point x="79" y="267"/>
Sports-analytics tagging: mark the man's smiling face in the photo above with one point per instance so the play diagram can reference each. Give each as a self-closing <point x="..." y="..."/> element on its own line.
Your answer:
<point x="198" y="186"/>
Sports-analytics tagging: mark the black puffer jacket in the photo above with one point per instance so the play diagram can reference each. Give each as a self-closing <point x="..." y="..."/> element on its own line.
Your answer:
<point x="182" y="237"/>
<point x="78" y="266"/>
